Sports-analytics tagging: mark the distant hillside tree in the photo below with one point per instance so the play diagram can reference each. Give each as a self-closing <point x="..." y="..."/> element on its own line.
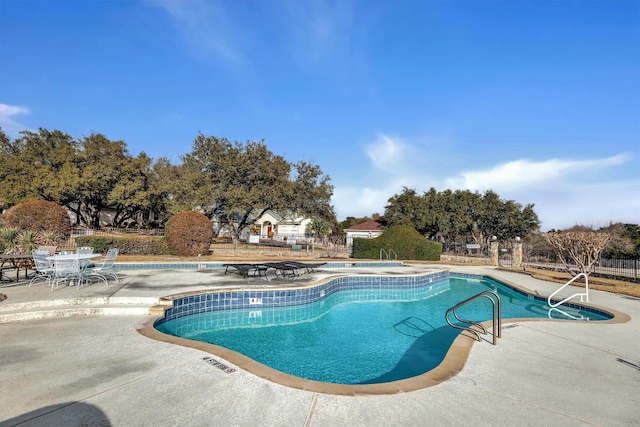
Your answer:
<point x="625" y="241"/>
<point x="461" y="215"/>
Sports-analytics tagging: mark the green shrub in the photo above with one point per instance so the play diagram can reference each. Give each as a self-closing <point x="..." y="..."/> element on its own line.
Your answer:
<point x="404" y="240"/>
<point x="40" y="216"/>
<point x="189" y="233"/>
<point x="126" y="245"/>
<point x="365" y="248"/>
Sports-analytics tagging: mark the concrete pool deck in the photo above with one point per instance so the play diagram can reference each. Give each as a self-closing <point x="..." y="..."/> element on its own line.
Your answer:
<point x="94" y="368"/>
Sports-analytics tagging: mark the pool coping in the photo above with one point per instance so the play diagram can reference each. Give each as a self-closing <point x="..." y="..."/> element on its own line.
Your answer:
<point x="452" y="363"/>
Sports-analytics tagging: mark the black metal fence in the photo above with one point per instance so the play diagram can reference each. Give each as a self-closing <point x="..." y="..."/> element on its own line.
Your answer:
<point x="123" y="232"/>
<point x="622" y="269"/>
<point x="296" y="244"/>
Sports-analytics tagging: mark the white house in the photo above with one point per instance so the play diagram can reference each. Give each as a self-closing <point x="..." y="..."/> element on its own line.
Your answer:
<point x="276" y="225"/>
<point x="366" y="230"/>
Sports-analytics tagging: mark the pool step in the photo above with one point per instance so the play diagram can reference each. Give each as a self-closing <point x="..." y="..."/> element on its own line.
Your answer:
<point x="54" y="309"/>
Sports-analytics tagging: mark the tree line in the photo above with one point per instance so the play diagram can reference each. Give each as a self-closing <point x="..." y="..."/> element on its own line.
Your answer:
<point x="232" y="182"/>
<point x="461" y="215"/>
<point x="229" y="181"/>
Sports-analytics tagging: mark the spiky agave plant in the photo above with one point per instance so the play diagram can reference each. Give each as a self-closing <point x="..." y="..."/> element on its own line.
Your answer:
<point x="47" y="238"/>
<point x="28" y="241"/>
<point x="9" y="239"/>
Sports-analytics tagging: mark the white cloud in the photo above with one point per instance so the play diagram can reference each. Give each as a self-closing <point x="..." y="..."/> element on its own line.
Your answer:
<point x="323" y="38"/>
<point x="565" y="192"/>
<point x="7" y="121"/>
<point x="519" y="173"/>
<point x="361" y="201"/>
<point x="207" y="30"/>
<point x="594" y="205"/>
<point x="389" y="154"/>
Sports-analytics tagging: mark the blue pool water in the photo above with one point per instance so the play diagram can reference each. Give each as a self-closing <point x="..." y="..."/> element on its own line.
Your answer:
<point x="360" y="335"/>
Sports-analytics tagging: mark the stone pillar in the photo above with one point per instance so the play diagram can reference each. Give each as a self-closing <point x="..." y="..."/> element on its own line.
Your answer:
<point x="516" y="255"/>
<point x="493" y="251"/>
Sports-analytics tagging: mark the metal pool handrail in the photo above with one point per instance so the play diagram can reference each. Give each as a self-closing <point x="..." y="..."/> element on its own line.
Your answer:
<point x="497" y="316"/>
<point x="387" y="255"/>
<point x="584" y="296"/>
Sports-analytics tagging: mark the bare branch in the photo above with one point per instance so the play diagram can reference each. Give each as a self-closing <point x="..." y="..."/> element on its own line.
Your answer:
<point x="578" y="250"/>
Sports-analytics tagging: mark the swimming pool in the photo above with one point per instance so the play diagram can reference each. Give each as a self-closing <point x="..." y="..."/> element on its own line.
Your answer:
<point x="354" y="330"/>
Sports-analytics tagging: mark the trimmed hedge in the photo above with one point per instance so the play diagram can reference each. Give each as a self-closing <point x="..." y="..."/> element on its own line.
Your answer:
<point x="404" y="240"/>
<point x="40" y="217"/>
<point x="126" y="245"/>
<point x="189" y="233"/>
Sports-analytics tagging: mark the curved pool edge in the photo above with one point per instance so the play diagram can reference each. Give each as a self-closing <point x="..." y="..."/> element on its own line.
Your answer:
<point x="452" y="363"/>
<point x="616" y="316"/>
<point x="450" y="366"/>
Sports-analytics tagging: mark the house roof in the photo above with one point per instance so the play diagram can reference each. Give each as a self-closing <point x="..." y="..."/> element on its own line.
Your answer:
<point x="371" y="225"/>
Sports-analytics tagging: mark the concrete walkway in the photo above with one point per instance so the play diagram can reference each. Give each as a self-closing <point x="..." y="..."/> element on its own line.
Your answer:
<point x="95" y="369"/>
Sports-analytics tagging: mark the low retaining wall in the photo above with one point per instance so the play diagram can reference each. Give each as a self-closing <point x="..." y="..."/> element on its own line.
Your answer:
<point x="465" y="259"/>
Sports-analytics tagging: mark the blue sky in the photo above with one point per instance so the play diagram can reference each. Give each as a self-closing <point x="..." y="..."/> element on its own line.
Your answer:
<point x="537" y="100"/>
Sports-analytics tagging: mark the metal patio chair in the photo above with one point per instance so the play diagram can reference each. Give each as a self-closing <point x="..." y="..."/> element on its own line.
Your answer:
<point x="66" y="270"/>
<point x="44" y="268"/>
<point x="106" y="269"/>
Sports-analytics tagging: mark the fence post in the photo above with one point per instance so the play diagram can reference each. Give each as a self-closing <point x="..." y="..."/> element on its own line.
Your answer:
<point x="493" y="249"/>
<point x="516" y="254"/>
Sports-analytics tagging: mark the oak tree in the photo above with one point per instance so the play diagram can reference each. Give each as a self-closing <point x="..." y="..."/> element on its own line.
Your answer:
<point x="461" y="215"/>
<point x="236" y="183"/>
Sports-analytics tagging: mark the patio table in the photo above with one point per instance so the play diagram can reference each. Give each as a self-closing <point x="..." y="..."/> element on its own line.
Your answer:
<point x="17" y="261"/>
<point x="82" y="258"/>
<point x="74" y="256"/>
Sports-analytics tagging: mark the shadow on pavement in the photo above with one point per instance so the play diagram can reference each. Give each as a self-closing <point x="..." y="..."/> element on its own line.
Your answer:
<point x="64" y="414"/>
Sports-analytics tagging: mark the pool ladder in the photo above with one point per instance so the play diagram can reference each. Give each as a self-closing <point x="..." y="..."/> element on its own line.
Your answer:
<point x="477" y="328"/>
<point x="584" y="296"/>
<point x="386" y="255"/>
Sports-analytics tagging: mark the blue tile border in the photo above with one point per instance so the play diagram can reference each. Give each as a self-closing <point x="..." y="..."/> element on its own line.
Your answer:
<point x="376" y="287"/>
<point x="386" y="286"/>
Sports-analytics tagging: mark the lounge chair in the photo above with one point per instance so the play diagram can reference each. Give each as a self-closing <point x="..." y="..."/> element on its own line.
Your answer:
<point x="284" y="269"/>
<point x="310" y="267"/>
<point x="246" y="270"/>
